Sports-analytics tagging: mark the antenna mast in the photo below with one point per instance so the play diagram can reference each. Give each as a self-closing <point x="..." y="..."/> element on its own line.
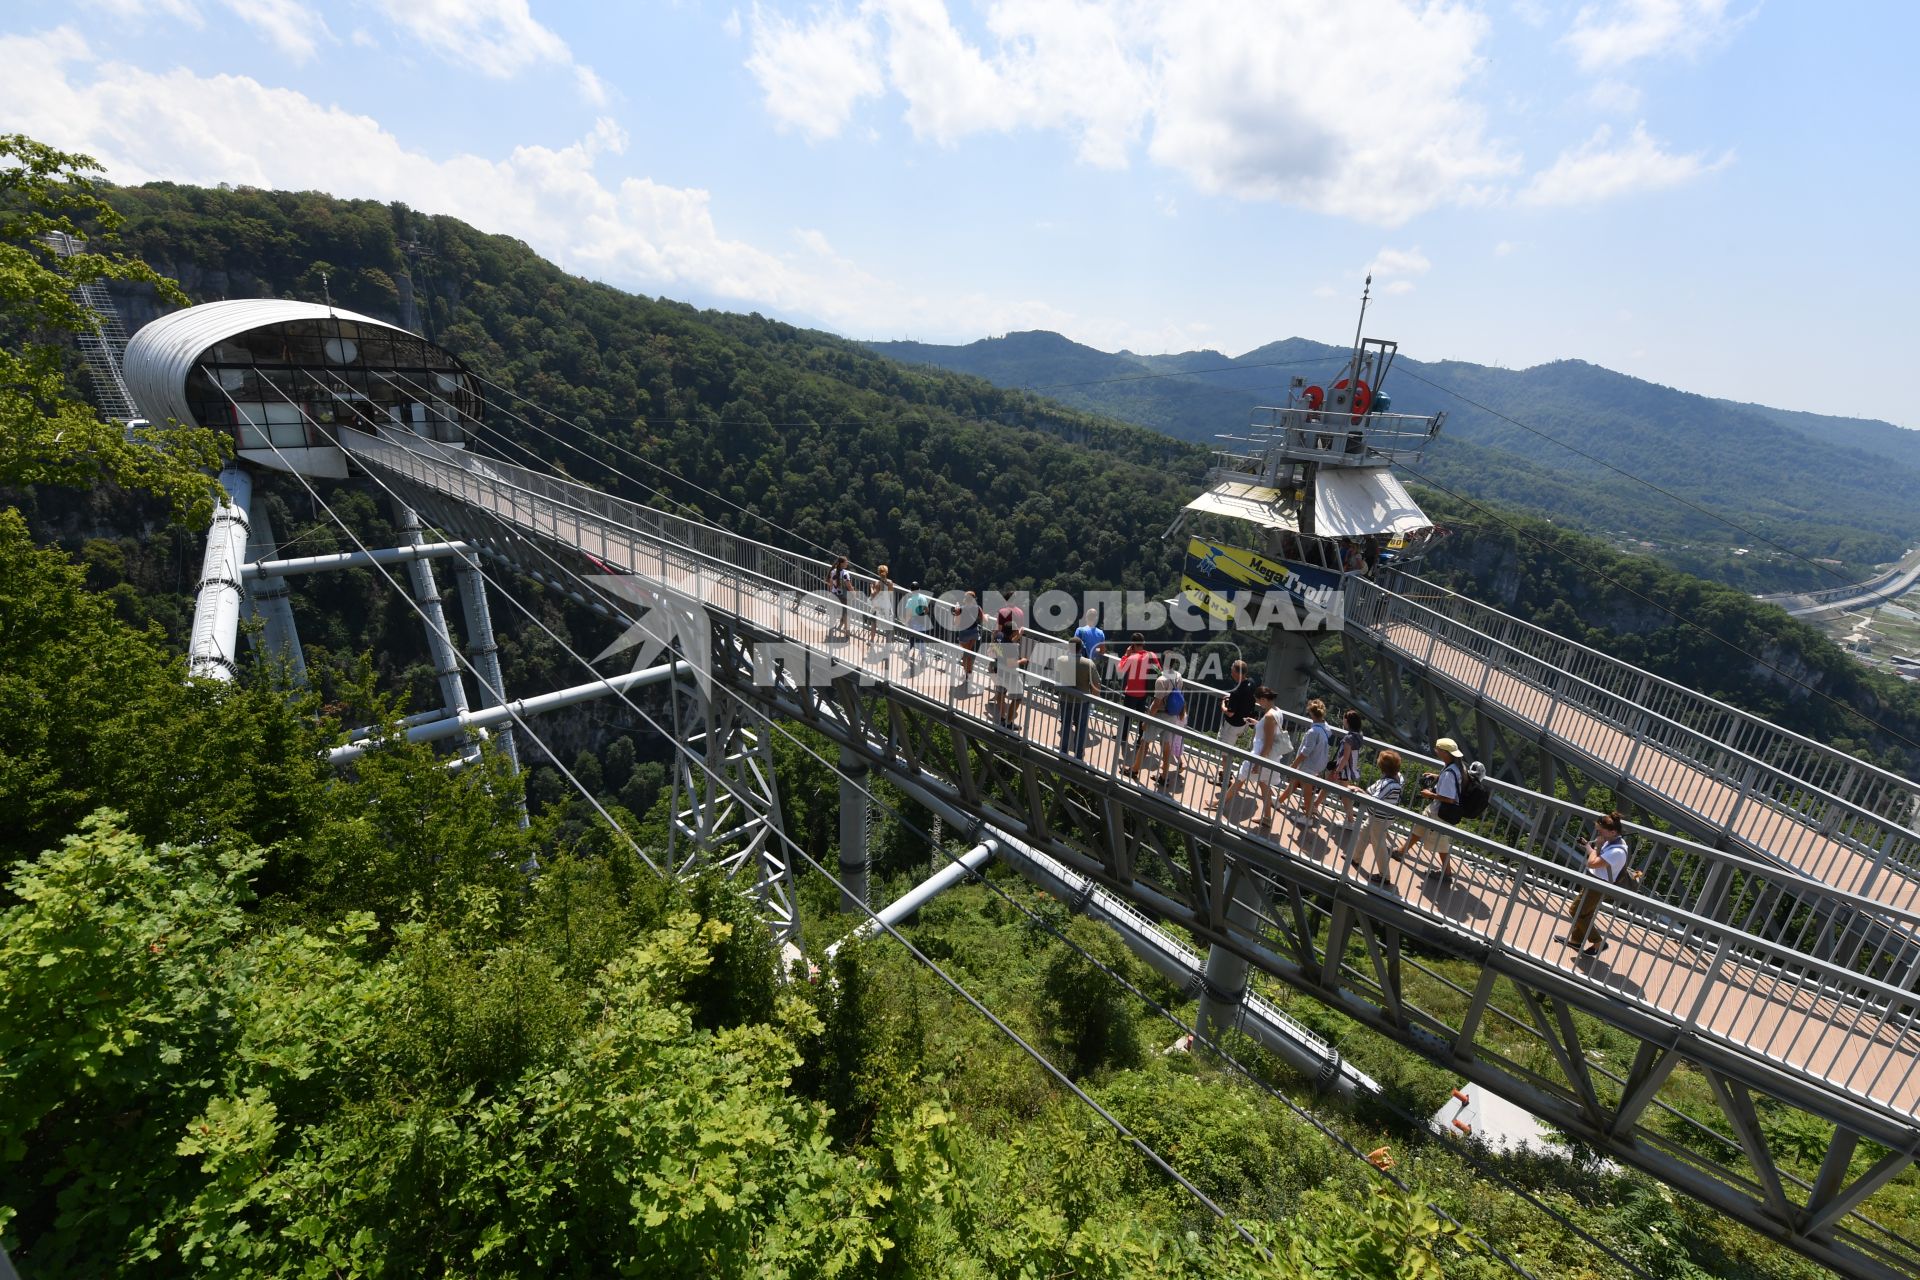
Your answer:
<point x="1361" y="327"/>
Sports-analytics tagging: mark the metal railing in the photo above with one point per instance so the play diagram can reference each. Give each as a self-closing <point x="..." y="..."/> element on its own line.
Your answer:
<point x="1764" y="897"/>
<point x="1782" y="795"/>
<point x="1760" y="996"/>
<point x="1327" y="436"/>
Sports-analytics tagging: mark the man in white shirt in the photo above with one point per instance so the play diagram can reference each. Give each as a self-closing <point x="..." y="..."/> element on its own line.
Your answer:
<point x="1606" y="860"/>
<point x="1443" y="806"/>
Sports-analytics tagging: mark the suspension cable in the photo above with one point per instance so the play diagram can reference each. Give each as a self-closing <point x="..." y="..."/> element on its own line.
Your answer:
<point x="518" y="719"/>
<point x="726" y="784"/>
<point x="1621" y="471"/>
<point x="872" y="796"/>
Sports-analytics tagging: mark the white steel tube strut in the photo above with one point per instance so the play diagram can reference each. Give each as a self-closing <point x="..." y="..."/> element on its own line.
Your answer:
<point x="493" y="717"/>
<point x="217" y="600"/>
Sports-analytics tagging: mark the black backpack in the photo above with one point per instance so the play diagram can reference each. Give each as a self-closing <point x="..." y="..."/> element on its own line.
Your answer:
<point x="1475" y="795"/>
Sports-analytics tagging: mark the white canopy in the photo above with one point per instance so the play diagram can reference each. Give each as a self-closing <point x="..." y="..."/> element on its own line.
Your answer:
<point x="1350" y="502"/>
<point x="1256" y="504"/>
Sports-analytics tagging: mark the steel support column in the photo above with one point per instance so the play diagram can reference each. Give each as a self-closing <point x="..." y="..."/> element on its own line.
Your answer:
<point x="1290" y="662"/>
<point x="426" y="590"/>
<point x="853" y="833"/>
<point x="211" y="650"/>
<point x="1223" y="992"/>
<point x="279" y="641"/>
<point x="482" y="650"/>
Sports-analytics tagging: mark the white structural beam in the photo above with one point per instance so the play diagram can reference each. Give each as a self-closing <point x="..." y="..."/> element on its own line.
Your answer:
<point x="267" y="593"/>
<point x="212" y="650"/>
<point x="426" y="590"/>
<point x="355" y="559"/>
<point x="520" y="708"/>
<point x="921" y="894"/>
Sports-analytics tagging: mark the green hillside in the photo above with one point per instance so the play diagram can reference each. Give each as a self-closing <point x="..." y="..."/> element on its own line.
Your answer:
<point x="1852" y="499"/>
<point x="959" y="482"/>
<point x="270" y="1020"/>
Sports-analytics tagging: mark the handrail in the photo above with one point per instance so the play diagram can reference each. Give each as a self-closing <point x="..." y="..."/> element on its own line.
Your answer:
<point x="1751" y="721"/>
<point x="1739" y="966"/>
<point x="1885" y="843"/>
<point x="1529" y="807"/>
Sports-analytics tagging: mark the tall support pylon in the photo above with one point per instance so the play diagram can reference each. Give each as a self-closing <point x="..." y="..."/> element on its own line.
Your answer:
<point x="855" y="830"/>
<point x="482" y="649"/>
<point x="1290" y="663"/>
<point x="726" y="802"/>
<point x="426" y="590"/>
<point x="218" y="599"/>
<point x="267" y="595"/>
<point x="1224" y="980"/>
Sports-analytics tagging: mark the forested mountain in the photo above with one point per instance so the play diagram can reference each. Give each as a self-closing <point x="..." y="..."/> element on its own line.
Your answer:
<point x="262" y="1018"/>
<point x="1755" y="465"/>
<point x="266" y="1019"/>
<point x="961" y="483"/>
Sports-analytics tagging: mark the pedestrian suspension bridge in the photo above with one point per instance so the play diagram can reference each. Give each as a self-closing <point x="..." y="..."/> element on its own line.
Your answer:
<point x="1773" y="947"/>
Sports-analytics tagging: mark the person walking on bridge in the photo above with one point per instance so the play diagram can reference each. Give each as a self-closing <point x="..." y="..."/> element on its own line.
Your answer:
<point x="966" y="634"/>
<point x="1091" y="638"/>
<point x="1269" y="744"/>
<point x="1443" y="807"/>
<point x="1136" y="670"/>
<point x="1606" y="860"/>
<point x="1377" y="829"/>
<point x="840" y="584"/>
<point x="1237" y="711"/>
<point x="880" y="610"/>
<point x="1316" y="748"/>
<point x="1008" y="650"/>
<point x="1077" y="693"/>
<point x="919" y="611"/>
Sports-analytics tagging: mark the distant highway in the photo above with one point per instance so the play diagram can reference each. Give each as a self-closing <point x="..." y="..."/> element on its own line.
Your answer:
<point x="1892" y="584"/>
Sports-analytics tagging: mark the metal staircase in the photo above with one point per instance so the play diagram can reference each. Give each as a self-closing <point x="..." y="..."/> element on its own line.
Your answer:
<point x="103" y="348"/>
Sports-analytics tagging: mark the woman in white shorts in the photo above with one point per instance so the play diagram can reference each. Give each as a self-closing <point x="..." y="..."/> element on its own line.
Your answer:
<point x="1267" y="739"/>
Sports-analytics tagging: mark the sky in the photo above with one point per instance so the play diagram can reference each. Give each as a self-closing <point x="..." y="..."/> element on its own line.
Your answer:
<point x="1712" y="194"/>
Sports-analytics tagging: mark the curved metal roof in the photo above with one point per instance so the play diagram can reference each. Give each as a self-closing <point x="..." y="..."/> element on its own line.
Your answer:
<point x="161" y="355"/>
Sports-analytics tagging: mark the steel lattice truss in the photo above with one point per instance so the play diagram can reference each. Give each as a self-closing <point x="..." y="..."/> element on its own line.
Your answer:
<point x="1298" y="917"/>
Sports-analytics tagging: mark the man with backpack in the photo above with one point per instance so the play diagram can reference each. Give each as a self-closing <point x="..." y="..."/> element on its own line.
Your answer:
<point x="919" y="611"/>
<point x="1606" y="860"/>
<point x="1452" y="795"/>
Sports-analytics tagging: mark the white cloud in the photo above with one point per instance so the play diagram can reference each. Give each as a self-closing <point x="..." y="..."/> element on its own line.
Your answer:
<point x="731" y="24"/>
<point x="1613" y="33"/>
<point x="1616" y="97"/>
<point x="178" y="10"/>
<point x="812" y="74"/>
<point x="1597" y="170"/>
<point x="1397" y="269"/>
<point x="632" y="232"/>
<point x="1254" y="98"/>
<point x="498" y="38"/>
<point x="177" y="125"/>
<point x="1391" y="264"/>
<point x="288" y="25"/>
<point x="1504" y="248"/>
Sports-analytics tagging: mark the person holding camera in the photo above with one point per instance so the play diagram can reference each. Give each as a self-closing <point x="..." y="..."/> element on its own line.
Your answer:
<point x="1606" y="860"/>
<point x="1441" y="791"/>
